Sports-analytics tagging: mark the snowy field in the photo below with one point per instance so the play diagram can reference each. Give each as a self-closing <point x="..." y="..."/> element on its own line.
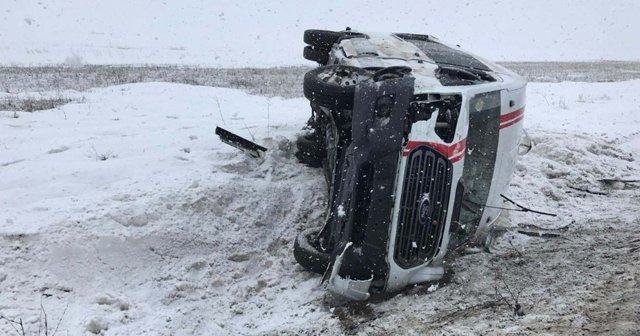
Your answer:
<point x="46" y="87"/>
<point x="123" y="214"/>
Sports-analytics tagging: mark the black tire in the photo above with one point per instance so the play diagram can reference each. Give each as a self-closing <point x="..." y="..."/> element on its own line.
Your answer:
<point x="333" y="86"/>
<point x="307" y="255"/>
<point x="311" y="151"/>
<point x="321" y="39"/>
<point x="317" y="55"/>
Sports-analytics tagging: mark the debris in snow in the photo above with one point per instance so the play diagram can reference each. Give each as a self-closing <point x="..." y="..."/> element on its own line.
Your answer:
<point x="432" y="288"/>
<point x="341" y="212"/>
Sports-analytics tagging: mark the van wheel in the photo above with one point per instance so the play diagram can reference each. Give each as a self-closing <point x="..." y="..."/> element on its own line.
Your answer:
<point x="307" y="254"/>
<point x="317" y="55"/>
<point x="321" y="39"/>
<point x="333" y="86"/>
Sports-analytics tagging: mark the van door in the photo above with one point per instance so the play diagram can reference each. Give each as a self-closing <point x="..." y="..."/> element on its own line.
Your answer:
<point x="480" y="159"/>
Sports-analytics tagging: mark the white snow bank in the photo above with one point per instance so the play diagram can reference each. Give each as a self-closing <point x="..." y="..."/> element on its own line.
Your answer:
<point x="119" y="137"/>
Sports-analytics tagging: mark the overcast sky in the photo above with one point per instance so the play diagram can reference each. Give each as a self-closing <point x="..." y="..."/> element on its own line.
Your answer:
<point x="266" y="33"/>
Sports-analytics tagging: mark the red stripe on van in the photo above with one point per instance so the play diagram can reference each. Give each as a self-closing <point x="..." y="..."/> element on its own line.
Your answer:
<point x="511" y="115"/>
<point x="453" y="152"/>
<point x="512" y="122"/>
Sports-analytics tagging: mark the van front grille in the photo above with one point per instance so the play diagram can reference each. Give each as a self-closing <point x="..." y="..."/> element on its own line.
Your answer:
<point x="423" y="207"/>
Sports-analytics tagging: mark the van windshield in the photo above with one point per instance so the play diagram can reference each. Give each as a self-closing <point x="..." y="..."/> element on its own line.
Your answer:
<point x="442" y="54"/>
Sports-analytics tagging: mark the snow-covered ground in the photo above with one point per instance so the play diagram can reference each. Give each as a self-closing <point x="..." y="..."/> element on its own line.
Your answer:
<point x="269" y="33"/>
<point x="123" y="214"/>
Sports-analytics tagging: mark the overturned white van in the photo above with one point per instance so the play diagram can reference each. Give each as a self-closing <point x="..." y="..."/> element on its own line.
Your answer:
<point x="418" y="140"/>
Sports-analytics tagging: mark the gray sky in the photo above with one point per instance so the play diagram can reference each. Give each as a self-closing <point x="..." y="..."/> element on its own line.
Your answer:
<point x="253" y="32"/>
